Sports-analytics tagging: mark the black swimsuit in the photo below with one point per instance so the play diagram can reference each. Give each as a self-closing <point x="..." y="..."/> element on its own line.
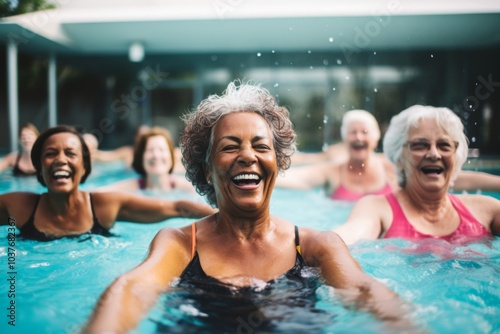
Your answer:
<point x="16" y="171"/>
<point x="213" y="306"/>
<point x="194" y="273"/>
<point x="29" y="230"/>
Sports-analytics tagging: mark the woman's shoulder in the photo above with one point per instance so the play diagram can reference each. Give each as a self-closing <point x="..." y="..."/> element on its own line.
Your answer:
<point x="23" y="198"/>
<point x="19" y="205"/>
<point x="180" y="239"/>
<point x="310" y="236"/>
<point x="478" y="202"/>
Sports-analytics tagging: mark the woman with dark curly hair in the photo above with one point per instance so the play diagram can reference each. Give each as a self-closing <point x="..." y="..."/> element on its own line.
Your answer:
<point x="233" y="147"/>
<point x="62" y="162"/>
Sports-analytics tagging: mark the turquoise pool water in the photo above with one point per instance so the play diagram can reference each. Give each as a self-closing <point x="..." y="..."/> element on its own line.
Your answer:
<point x="56" y="284"/>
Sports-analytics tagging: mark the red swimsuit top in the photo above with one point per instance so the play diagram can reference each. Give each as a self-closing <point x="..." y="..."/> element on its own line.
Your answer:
<point x="469" y="226"/>
<point x="342" y="193"/>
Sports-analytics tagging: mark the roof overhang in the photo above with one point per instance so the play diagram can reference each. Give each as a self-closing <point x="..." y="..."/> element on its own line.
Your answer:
<point x="257" y="26"/>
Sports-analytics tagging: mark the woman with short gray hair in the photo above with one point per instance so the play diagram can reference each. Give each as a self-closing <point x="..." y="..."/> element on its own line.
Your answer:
<point x="428" y="147"/>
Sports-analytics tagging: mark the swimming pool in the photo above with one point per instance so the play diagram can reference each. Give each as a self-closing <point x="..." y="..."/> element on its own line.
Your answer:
<point x="56" y="284"/>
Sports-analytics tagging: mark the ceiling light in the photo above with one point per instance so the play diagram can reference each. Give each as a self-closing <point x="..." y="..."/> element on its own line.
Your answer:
<point x="136" y="52"/>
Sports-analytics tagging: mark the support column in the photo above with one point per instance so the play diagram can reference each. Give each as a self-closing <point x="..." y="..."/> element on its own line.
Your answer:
<point x="13" y="98"/>
<point x="52" y="78"/>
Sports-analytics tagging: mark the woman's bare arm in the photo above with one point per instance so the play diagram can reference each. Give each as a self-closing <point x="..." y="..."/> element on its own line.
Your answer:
<point x="122" y="206"/>
<point x="8" y="161"/>
<point x="473" y="181"/>
<point x="339" y="269"/>
<point x="304" y="177"/>
<point x="128" y="299"/>
<point x="364" y="222"/>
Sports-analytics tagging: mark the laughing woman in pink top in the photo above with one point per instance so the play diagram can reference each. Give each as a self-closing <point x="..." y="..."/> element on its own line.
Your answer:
<point x="364" y="172"/>
<point x="428" y="147"/>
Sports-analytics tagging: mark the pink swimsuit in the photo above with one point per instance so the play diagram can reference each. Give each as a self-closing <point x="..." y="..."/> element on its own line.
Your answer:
<point x="469" y="226"/>
<point x="343" y="194"/>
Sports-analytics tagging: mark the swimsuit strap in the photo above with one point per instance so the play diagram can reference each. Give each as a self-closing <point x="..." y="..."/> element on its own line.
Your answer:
<point x="297" y="240"/>
<point x="32" y="217"/>
<point x="16" y="171"/>
<point x="92" y="207"/>
<point x="193" y="239"/>
<point x="18" y="158"/>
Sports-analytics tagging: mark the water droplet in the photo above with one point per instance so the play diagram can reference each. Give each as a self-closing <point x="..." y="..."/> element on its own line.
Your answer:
<point x="375" y="90"/>
<point x="339" y="62"/>
<point x="333" y="88"/>
<point x="290" y="28"/>
<point x="272" y="51"/>
<point x="432" y="56"/>
<point x="319" y="127"/>
<point x="473" y="139"/>
<point x="309" y="51"/>
<point x="330" y="39"/>
<point x="276" y="84"/>
<point x="325" y="62"/>
<point x="375" y="53"/>
<point x="311" y="67"/>
<point x="325" y="119"/>
<point x="259" y="54"/>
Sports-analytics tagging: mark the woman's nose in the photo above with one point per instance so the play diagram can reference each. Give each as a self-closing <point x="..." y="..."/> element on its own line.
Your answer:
<point x="433" y="152"/>
<point x="60" y="158"/>
<point x="247" y="157"/>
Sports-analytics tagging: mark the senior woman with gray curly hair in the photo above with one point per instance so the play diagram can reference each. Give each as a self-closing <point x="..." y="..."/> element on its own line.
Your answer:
<point x="428" y="147"/>
<point x="233" y="147"/>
